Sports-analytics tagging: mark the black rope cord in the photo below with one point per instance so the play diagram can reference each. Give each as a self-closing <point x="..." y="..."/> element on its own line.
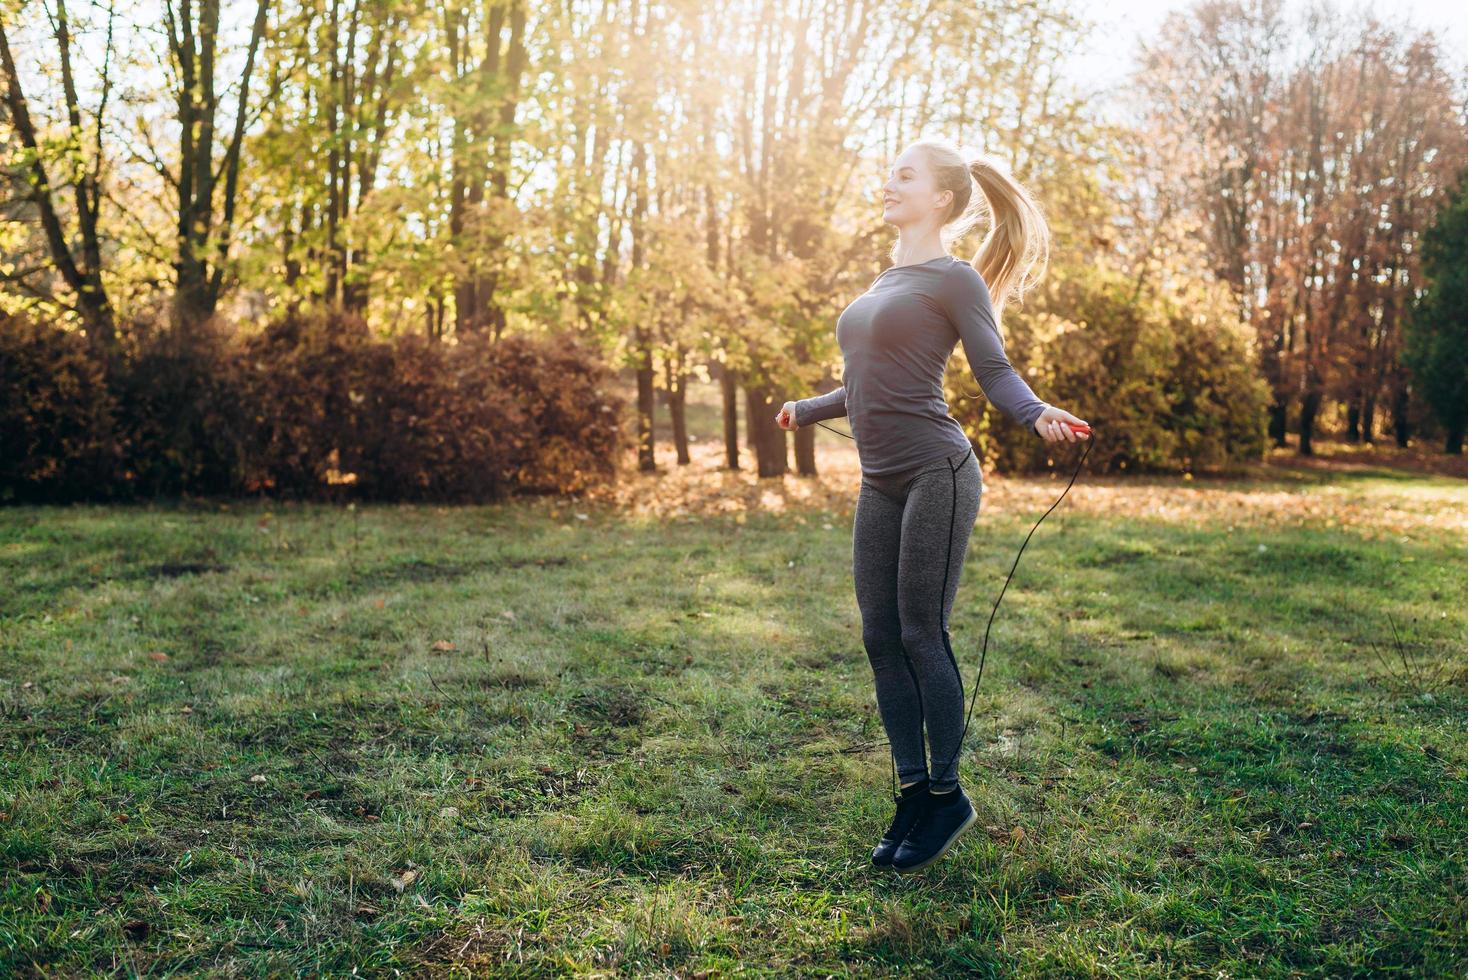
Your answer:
<point x="983" y="653"/>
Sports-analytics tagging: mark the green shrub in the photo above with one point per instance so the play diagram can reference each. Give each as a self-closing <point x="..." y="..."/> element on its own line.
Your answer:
<point x="1169" y="383"/>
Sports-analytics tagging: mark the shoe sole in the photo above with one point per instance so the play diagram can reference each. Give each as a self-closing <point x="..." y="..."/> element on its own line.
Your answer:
<point x="973" y="818"/>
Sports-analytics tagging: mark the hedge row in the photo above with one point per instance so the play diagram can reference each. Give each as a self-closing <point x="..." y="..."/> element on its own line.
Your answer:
<point x="312" y="406"/>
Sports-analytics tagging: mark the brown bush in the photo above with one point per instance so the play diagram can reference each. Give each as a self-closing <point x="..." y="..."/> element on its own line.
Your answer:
<point x="413" y="418"/>
<point x="312" y="406"/>
<point x="573" y="432"/>
<point x="184" y="413"/>
<point x="57" y="437"/>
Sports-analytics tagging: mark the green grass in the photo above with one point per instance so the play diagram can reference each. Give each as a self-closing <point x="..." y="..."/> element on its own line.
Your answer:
<point x="509" y="740"/>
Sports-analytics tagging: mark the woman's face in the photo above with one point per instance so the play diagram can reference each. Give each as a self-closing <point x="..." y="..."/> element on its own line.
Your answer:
<point x="909" y="197"/>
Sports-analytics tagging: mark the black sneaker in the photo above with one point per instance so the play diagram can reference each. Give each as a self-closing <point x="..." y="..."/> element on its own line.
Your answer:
<point x="910" y="806"/>
<point x="946" y="816"/>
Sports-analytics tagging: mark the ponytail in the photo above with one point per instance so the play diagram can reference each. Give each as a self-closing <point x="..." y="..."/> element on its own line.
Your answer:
<point x="1016" y="252"/>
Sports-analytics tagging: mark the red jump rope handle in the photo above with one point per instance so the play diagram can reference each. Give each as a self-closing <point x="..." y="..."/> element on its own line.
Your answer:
<point x="1078" y="426"/>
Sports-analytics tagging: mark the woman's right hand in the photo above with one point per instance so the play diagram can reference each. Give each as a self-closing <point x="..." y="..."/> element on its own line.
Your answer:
<point x="786" y="418"/>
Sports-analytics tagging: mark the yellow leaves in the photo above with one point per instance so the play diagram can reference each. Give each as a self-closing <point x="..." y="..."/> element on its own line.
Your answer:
<point x="707" y="489"/>
<point x="1015" y="836"/>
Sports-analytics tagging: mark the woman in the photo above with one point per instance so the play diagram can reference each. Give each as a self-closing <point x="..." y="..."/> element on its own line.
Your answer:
<point x="920" y="483"/>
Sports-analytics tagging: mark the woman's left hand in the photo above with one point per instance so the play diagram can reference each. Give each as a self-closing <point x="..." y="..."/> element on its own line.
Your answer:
<point x="1052" y="426"/>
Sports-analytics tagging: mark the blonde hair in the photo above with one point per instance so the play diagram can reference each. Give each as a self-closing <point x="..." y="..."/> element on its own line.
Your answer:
<point x="1016" y="252"/>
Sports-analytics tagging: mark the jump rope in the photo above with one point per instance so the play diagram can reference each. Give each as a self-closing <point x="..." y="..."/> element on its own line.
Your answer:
<point x="983" y="653"/>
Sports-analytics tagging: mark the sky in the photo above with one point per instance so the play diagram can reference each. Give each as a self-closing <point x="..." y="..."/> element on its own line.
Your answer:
<point x="1108" y="54"/>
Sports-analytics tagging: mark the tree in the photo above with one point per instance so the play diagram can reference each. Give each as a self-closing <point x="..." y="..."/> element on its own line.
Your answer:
<point x="1437" y="334"/>
<point x="206" y="188"/>
<point x="74" y="243"/>
<point x="1311" y="154"/>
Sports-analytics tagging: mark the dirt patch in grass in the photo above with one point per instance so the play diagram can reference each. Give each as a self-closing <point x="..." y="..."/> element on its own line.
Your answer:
<point x="508" y="680"/>
<point x="461" y="950"/>
<point x="413" y="571"/>
<point x="620" y="707"/>
<point x="418" y="570"/>
<point x="515" y="795"/>
<point x="174" y="569"/>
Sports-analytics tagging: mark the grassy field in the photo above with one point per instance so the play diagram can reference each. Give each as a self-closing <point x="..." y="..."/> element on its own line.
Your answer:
<point x="1221" y="733"/>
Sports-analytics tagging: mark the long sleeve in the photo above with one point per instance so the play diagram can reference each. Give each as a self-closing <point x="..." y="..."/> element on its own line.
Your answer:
<point x="831" y="405"/>
<point x="970" y="307"/>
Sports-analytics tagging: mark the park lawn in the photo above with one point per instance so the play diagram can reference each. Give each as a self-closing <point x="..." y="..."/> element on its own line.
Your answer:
<point x="558" y="737"/>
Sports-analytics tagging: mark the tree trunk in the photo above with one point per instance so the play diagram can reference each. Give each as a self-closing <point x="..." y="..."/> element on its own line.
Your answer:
<point x="729" y="387"/>
<point x="805" y="450"/>
<point x="646" y="406"/>
<point x="1309" y="406"/>
<point x="765" y="436"/>
<point x="675" y="379"/>
<point x="678" y="409"/>
<point x="1401" y="426"/>
<point x="1278" y="423"/>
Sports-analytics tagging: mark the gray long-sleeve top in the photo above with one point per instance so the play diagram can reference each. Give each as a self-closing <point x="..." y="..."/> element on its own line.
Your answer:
<point x="896" y="339"/>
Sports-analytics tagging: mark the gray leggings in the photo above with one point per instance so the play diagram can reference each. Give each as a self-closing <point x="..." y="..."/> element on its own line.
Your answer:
<point x="910" y="536"/>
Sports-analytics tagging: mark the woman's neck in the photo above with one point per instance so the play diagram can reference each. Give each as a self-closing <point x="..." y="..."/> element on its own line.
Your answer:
<point x="925" y="250"/>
